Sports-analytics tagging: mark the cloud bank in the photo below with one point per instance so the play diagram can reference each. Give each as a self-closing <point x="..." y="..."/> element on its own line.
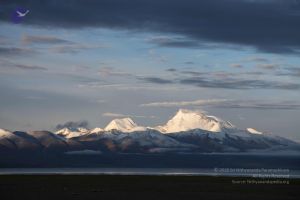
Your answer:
<point x="227" y="103"/>
<point x="269" y="26"/>
<point x="72" y="125"/>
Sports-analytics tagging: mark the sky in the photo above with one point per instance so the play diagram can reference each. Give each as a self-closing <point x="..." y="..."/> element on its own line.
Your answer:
<point x="86" y="62"/>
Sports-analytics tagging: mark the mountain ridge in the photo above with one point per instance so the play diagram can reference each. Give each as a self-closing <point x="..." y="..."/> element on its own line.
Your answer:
<point x="188" y="131"/>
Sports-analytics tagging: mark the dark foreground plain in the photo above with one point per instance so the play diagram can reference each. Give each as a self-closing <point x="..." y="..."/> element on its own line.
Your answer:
<point x="59" y="160"/>
<point x="141" y="187"/>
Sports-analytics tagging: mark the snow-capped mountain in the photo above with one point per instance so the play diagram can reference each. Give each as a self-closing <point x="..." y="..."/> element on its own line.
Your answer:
<point x="186" y="120"/>
<point x="5" y="133"/>
<point x="253" y="131"/>
<point x="124" y="125"/>
<point x="72" y="132"/>
<point x="96" y="130"/>
<point x="35" y="140"/>
<point x="49" y="140"/>
<point x="14" y="141"/>
<point x="188" y="131"/>
<point x="136" y="141"/>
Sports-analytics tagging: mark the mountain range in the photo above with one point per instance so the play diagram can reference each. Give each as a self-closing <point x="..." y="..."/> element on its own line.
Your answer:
<point x="187" y="132"/>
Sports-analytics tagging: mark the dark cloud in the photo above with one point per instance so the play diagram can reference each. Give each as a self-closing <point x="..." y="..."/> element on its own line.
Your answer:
<point x="257" y="59"/>
<point x="78" y="78"/>
<point x="231" y="83"/>
<point x="73" y="125"/>
<point x="290" y="71"/>
<point x="111" y="71"/>
<point x="284" y="105"/>
<point x="195" y="73"/>
<point x="175" y="42"/>
<point x="270" y="66"/>
<point x="252" y="73"/>
<point x="183" y="42"/>
<point x="189" y="63"/>
<point x="236" y="65"/>
<point x="171" y="70"/>
<point x="14" y="66"/>
<point x="28" y="67"/>
<point x="156" y="80"/>
<point x="73" y="48"/>
<point x="226" y="80"/>
<point x="43" y="39"/>
<point x="15" y="51"/>
<point x="228" y="103"/>
<point x="270" y="26"/>
<point x="60" y="45"/>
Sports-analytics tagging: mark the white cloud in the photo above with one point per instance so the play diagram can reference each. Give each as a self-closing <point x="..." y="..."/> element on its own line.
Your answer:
<point x="111" y="71"/>
<point x="125" y="86"/>
<point x="200" y="102"/>
<point x="109" y="114"/>
<point x="227" y="103"/>
<point x="119" y="115"/>
<point x="268" y="66"/>
<point x="43" y="39"/>
<point x="74" y="48"/>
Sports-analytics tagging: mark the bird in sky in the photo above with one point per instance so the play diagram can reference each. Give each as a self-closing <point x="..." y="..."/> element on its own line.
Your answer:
<point x="21" y="14"/>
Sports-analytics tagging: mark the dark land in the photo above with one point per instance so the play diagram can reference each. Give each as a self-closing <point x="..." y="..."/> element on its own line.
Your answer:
<point x="59" y="160"/>
<point x="142" y="187"/>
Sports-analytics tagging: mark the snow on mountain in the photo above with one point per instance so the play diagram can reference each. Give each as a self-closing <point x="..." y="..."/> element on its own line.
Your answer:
<point x="253" y="131"/>
<point x="17" y="140"/>
<point x="72" y="132"/>
<point x="96" y="130"/>
<point x="155" y="138"/>
<point x="188" y="130"/>
<point x="5" y="133"/>
<point x="49" y="140"/>
<point x="8" y="139"/>
<point x="185" y="120"/>
<point x="134" y="141"/>
<point x="124" y="125"/>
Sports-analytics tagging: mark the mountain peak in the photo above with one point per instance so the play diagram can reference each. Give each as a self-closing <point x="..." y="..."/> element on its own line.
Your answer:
<point x="186" y="111"/>
<point x="4" y="133"/>
<point x="253" y="131"/>
<point x="185" y="120"/>
<point x="96" y="130"/>
<point x="72" y="132"/>
<point x="123" y="124"/>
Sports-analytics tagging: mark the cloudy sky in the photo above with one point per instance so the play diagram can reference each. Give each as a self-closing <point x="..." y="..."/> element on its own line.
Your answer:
<point x="88" y="61"/>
